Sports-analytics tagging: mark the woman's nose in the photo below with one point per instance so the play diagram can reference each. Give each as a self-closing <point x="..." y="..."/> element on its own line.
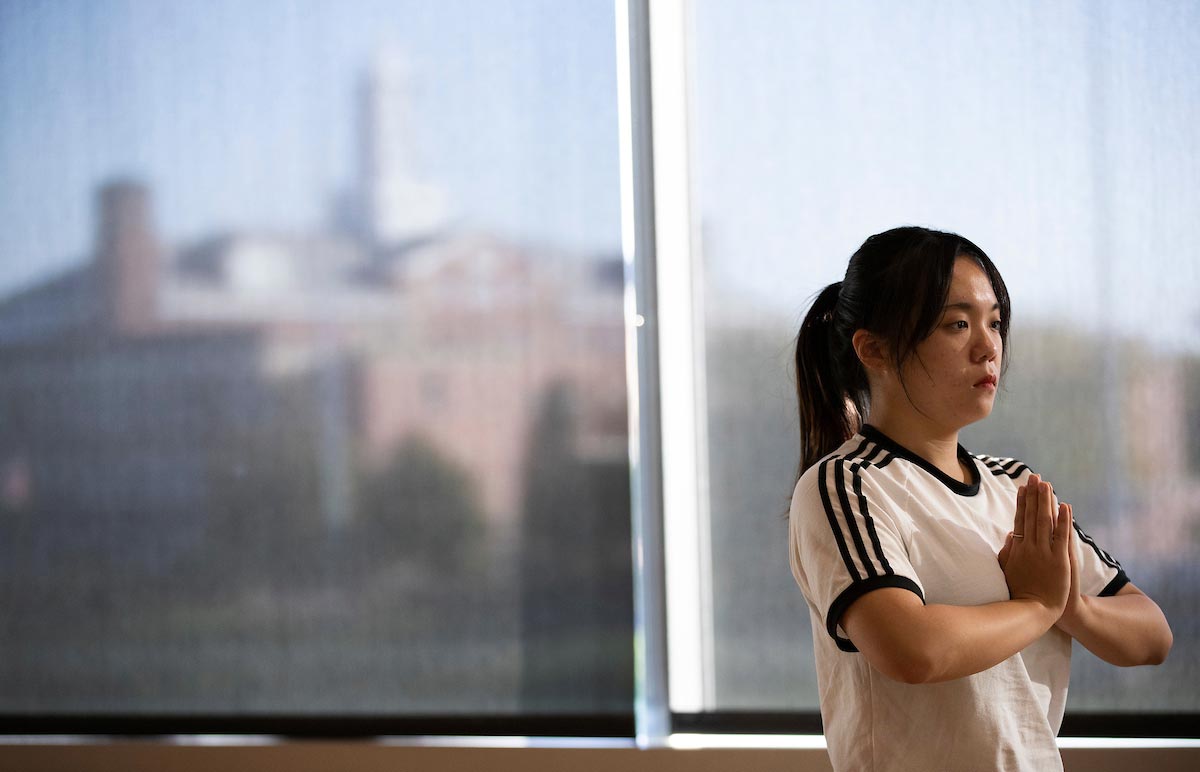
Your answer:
<point x="986" y="349"/>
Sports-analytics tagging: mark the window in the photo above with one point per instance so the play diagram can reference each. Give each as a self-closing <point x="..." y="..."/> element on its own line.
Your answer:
<point x="312" y="400"/>
<point x="314" y="321"/>
<point x="1058" y="138"/>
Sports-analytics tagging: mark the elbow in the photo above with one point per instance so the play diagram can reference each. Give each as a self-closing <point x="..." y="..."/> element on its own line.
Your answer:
<point x="915" y="676"/>
<point x="1162" y="645"/>
<point x="1159" y="654"/>
<point x="905" y="675"/>
<point x="1154" y="654"/>
<point x="912" y="668"/>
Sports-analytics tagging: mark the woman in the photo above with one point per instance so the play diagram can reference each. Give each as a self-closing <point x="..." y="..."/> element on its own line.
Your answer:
<point x="944" y="586"/>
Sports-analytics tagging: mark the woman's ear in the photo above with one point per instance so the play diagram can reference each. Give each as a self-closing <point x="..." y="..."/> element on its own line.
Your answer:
<point x="870" y="352"/>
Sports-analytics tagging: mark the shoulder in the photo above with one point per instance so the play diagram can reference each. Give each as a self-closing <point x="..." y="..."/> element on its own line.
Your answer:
<point x="1004" y="468"/>
<point x="856" y="465"/>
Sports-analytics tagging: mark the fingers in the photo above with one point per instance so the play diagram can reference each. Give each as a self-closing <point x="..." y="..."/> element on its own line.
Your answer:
<point x="1035" y="518"/>
<point x="1064" y="529"/>
<point x="1019" y="515"/>
<point x="1032" y="495"/>
<point x="1046" y="515"/>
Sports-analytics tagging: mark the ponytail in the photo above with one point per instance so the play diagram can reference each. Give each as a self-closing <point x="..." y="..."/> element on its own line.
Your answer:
<point x="829" y="414"/>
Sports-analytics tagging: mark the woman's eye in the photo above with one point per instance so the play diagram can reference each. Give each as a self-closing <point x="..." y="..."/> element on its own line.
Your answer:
<point x="998" y="323"/>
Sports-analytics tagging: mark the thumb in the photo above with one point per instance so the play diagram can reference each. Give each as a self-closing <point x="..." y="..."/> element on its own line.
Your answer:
<point x="1005" y="550"/>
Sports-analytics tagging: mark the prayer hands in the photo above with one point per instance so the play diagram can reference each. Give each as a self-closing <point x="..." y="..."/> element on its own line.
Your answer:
<point x="1037" y="557"/>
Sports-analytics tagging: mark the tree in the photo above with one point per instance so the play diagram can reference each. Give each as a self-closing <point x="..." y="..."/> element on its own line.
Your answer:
<point x="576" y="570"/>
<point x="422" y="506"/>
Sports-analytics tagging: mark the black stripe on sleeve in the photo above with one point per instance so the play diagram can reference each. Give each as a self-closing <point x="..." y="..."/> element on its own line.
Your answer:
<point x="1105" y="558"/>
<point x="831" y="512"/>
<point x="848" y="513"/>
<point x="870" y="521"/>
<point x="1119" y="581"/>
<point x="858" y="452"/>
<point x="1014" y="472"/>
<point x="997" y="466"/>
<point x="878" y="450"/>
<point x="993" y="466"/>
<point x="833" y="523"/>
<point x="856" y="591"/>
<point x="843" y="511"/>
<point x="887" y="459"/>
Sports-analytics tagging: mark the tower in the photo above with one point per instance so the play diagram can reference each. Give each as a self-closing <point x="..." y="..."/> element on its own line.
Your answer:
<point x="397" y="205"/>
<point x="128" y="257"/>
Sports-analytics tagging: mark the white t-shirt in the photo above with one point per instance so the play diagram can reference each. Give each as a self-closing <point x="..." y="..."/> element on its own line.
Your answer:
<point x="873" y="514"/>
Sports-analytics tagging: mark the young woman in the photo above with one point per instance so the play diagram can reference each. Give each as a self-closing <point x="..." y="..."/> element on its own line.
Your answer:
<point x="944" y="586"/>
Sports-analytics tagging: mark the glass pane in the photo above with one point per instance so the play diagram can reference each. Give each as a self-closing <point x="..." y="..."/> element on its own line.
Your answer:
<point x="312" y="382"/>
<point x="1061" y="139"/>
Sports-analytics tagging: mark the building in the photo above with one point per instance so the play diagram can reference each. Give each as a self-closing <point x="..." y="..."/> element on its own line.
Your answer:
<point x="144" y="367"/>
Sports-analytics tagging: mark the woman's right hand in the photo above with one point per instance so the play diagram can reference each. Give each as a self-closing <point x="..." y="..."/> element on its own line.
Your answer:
<point x="1038" y="564"/>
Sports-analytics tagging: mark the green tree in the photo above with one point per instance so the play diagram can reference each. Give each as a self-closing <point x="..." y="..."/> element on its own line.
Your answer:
<point x="576" y="569"/>
<point x="422" y="506"/>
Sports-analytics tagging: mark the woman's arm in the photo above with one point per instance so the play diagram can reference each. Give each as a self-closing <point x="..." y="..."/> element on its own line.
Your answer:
<point x="1125" y="629"/>
<point x="913" y="643"/>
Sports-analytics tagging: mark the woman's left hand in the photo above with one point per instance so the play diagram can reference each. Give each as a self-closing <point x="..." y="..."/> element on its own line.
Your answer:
<point x="1075" y="601"/>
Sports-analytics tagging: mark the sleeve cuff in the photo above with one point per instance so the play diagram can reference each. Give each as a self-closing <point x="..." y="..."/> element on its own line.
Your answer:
<point x="861" y="588"/>
<point x="1119" y="581"/>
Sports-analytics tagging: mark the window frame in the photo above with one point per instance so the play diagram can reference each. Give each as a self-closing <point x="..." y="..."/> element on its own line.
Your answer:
<point x="681" y="392"/>
<point x="664" y="355"/>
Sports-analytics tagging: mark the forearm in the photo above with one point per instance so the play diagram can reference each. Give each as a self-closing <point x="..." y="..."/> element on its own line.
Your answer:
<point x="959" y="641"/>
<point x="1123" y="630"/>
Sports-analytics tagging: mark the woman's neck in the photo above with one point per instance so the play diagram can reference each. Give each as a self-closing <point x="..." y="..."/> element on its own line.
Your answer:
<point x="938" y="447"/>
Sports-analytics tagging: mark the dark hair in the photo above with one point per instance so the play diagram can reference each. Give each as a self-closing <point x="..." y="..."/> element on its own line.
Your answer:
<point x="895" y="287"/>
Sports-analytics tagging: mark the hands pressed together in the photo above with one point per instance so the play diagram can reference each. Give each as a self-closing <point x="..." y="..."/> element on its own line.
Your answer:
<point x="1038" y="558"/>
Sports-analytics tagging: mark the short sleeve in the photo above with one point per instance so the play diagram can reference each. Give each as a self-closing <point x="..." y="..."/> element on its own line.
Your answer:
<point x="845" y="541"/>
<point x="1100" y="574"/>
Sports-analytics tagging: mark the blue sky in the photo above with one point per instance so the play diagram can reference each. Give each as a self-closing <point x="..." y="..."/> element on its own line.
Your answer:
<point x="243" y="115"/>
<point x="1058" y="136"/>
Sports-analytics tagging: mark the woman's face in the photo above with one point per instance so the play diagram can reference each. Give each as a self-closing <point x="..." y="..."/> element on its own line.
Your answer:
<point x="964" y="348"/>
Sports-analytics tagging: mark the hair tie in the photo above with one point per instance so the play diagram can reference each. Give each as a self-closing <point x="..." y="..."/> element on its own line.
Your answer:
<point x="826" y="316"/>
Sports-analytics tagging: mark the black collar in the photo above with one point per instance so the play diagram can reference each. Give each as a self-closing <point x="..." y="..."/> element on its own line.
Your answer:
<point x="962" y="489"/>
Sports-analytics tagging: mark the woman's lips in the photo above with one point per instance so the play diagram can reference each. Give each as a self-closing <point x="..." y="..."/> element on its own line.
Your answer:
<point x="989" y="385"/>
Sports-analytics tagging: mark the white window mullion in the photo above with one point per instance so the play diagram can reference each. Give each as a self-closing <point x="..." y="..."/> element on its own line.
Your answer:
<point x="681" y="369"/>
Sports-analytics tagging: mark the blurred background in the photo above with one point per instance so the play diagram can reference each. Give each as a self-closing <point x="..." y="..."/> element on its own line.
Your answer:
<point x="312" y="341"/>
<point x="312" y="381"/>
<point x="1059" y="137"/>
